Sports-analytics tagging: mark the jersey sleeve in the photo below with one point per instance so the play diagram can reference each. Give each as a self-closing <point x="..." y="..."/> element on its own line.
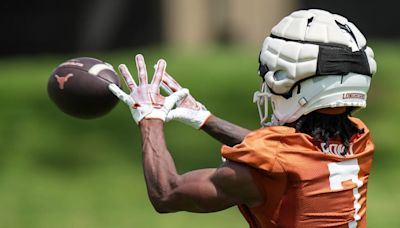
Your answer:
<point x="258" y="150"/>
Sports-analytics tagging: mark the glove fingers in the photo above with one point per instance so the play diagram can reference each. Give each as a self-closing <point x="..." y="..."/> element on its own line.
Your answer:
<point x="118" y="92"/>
<point x="127" y="77"/>
<point x="172" y="99"/>
<point x="158" y="74"/>
<point x="170" y="82"/>
<point x="166" y="89"/>
<point x="141" y="68"/>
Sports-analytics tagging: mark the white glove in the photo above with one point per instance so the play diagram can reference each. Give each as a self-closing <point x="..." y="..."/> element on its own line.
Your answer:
<point x="188" y="110"/>
<point x="145" y="100"/>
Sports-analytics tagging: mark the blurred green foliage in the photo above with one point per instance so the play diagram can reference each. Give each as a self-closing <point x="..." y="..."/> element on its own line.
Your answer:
<point x="59" y="171"/>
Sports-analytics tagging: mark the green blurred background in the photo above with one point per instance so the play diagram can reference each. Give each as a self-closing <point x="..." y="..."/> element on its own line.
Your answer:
<point x="59" y="171"/>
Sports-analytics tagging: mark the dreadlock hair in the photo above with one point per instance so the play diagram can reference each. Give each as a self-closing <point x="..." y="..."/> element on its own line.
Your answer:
<point x="323" y="127"/>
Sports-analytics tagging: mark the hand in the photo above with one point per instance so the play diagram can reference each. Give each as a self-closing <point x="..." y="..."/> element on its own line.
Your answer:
<point x="188" y="110"/>
<point x="145" y="100"/>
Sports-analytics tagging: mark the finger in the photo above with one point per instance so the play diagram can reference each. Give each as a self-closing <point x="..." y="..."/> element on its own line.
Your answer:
<point x="121" y="94"/>
<point x="174" y="98"/>
<point x="172" y="87"/>
<point x="169" y="81"/>
<point x="158" y="74"/>
<point x="169" y="85"/>
<point x="127" y="77"/>
<point x="166" y="89"/>
<point x="141" y="68"/>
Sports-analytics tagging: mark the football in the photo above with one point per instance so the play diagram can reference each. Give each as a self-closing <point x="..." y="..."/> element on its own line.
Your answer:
<point x="79" y="87"/>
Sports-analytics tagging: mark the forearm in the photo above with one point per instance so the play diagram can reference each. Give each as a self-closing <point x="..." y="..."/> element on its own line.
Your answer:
<point x="224" y="131"/>
<point x="159" y="168"/>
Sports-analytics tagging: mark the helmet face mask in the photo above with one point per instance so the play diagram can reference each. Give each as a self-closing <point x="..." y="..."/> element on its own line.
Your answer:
<point x="313" y="59"/>
<point x="261" y="98"/>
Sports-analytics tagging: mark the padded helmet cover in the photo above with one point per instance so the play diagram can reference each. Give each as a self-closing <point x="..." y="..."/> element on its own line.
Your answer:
<point x="315" y="43"/>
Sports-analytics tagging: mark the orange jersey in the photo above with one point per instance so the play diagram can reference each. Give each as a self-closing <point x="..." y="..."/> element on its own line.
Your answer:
<point x="304" y="183"/>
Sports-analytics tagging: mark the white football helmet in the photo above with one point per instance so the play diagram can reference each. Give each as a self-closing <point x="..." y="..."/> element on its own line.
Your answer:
<point x="313" y="59"/>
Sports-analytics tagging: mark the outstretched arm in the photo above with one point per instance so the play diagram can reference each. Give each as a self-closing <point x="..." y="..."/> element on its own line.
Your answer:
<point x="204" y="190"/>
<point x="193" y="113"/>
<point x="227" y="133"/>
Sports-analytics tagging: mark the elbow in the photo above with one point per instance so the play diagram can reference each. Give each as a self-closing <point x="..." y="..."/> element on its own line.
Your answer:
<point x="161" y="204"/>
<point x="164" y="198"/>
<point x="161" y="209"/>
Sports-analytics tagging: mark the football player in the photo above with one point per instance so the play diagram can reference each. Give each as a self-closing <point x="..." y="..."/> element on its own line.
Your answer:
<point x="308" y="166"/>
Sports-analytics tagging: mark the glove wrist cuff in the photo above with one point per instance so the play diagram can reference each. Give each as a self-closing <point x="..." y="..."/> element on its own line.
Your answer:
<point x="156" y="114"/>
<point x="198" y="121"/>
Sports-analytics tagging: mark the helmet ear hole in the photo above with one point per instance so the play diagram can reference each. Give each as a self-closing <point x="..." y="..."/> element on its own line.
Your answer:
<point x="280" y="75"/>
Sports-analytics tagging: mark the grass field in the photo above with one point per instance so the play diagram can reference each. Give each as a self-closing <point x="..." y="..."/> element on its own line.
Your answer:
<point x="58" y="171"/>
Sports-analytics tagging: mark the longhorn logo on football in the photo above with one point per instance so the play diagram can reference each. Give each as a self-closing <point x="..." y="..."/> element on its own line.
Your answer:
<point x="62" y="80"/>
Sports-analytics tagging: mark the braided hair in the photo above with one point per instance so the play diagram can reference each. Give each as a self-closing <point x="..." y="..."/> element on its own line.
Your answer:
<point x="323" y="127"/>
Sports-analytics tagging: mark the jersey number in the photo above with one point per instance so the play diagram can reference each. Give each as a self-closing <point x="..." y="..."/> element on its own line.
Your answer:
<point x="344" y="171"/>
